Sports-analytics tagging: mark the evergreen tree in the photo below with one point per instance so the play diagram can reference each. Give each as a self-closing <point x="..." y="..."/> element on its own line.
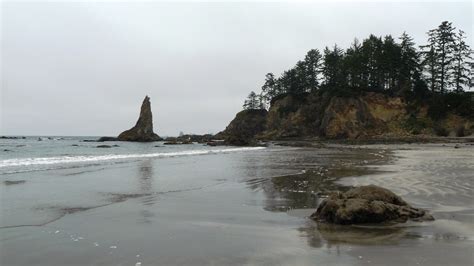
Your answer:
<point x="333" y="67"/>
<point x="353" y="64"/>
<point x="301" y="81"/>
<point x="390" y="64"/>
<point x="372" y="58"/>
<point x="441" y="49"/>
<point x="410" y="61"/>
<point x="430" y="64"/>
<point x="313" y="64"/>
<point x="291" y="80"/>
<point x="252" y="102"/>
<point x="270" y="88"/>
<point x="462" y="63"/>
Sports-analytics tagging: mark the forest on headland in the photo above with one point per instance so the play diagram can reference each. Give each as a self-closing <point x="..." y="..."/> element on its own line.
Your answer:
<point x="434" y="78"/>
<point x="443" y="66"/>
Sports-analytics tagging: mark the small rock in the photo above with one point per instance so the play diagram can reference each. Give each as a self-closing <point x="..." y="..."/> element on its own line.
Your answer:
<point x="367" y="204"/>
<point x="102" y="139"/>
<point x="16" y="182"/>
<point x="104" y="146"/>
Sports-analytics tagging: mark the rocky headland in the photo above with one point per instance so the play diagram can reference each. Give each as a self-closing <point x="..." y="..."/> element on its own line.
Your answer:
<point x="323" y="116"/>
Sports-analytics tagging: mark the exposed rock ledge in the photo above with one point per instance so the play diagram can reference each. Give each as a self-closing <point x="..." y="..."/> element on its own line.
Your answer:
<point x="366" y="205"/>
<point x="143" y="130"/>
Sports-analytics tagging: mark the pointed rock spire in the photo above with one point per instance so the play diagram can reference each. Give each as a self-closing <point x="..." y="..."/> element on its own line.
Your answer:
<point x="143" y="129"/>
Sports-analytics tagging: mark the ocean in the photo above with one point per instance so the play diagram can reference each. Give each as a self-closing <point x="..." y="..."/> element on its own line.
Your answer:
<point x="68" y="202"/>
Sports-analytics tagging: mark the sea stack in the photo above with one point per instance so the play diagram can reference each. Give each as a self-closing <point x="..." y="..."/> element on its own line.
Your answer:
<point x="143" y="130"/>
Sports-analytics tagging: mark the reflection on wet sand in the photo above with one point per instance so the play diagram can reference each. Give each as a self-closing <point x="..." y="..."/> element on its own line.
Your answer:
<point x="145" y="176"/>
<point x="316" y="179"/>
<point x="319" y="235"/>
<point x="304" y="191"/>
<point x="299" y="194"/>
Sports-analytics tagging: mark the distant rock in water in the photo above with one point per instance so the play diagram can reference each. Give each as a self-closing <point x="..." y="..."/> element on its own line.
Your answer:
<point x="102" y="139"/>
<point x="367" y="205"/>
<point x="143" y="130"/>
<point x="244" y="127"/>
<point x="13" y="182"/>
<point x="105" y="146"/>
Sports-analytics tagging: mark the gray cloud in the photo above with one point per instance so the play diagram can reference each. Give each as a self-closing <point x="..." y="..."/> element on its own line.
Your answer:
<point x="83" y="68"/>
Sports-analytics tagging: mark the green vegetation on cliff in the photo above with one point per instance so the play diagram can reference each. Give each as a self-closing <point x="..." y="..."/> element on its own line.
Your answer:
<point x="377" y="87"/>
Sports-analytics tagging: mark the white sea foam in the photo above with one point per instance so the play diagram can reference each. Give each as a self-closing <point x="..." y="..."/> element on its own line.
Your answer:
<point x="81" y="159"/>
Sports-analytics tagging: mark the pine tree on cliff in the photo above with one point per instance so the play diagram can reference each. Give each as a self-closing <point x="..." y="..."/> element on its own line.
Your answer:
<point x="301" y="78"/>
<point x="429" y="64"/>
<point x="440" y="55"/>
<point x="410" y="61"/>
<point x="353" y="64"/>
<point x="252" y="102"/>
<point x="333" y="67"/>
<point x="390" y="64"/>
<point x="269" y="88"/>
<point x="313" y="64"/>
<point x="292" y="80"/>
<point x="372" y="56"/>
<point x="462" y="63"/>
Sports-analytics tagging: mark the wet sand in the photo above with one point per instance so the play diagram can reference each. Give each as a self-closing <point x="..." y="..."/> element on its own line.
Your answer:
<point x="247" y="208"/>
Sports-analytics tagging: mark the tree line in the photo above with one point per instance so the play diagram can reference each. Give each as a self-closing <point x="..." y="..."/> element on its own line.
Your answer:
<point x="379" y="64"/>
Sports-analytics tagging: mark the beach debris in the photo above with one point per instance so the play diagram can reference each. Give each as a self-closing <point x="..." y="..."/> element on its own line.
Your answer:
<point x="367" y="204"/>
<point x="113" y="247"/>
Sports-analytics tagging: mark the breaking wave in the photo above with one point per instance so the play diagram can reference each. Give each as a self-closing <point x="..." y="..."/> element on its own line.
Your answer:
<point x="109" y="157"/>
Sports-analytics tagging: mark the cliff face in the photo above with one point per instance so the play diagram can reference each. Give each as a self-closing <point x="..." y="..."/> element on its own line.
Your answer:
<point x="372" y="115"/>
<point x="143" y="129"/>
<point x="244" y="127"/>
<point x="368" y="116"/>
<point x="363" y="117"/>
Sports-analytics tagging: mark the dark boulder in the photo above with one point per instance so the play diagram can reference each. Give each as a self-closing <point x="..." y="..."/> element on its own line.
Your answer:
<point x="143" y="129"/>
<point x="366" y="205"/>
<point x="102" y="139"/>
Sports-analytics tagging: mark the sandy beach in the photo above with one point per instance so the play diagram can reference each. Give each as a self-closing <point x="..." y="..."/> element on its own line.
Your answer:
<point x="235" y="207"/>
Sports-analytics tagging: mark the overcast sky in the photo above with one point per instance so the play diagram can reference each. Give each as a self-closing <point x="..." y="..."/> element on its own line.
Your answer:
<point x="84" y="68"/>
